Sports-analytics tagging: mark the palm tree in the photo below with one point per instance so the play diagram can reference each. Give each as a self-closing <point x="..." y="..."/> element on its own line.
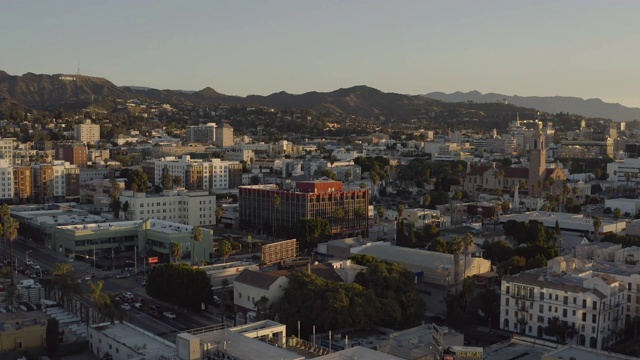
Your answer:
<point x="426" y="199"/>
<point x="176" y="251"/>
<point x="224" y="246"/>
<point x="11" y="233"/>
<point x="276" y="207"/>
<point x="466" y="242"/>
<point x="112" y="309"/>
<point x="597" y="223"/>
<point x="100" y="299"/>
<point x="261" y="308"/>
<point x="219" y="213"/>
<point x="617" y="214"/>
<point x="64" y="280"/>
<point x="196" y="235"/>
<point x="401" y="209"/>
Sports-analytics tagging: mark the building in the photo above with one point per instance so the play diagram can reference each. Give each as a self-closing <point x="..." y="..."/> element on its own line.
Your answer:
<point x="22" y="184"/>
<point x="224" y="135"/>
<point x="22" y="330"/>
<point x="87" y="133"/>
<point x="57" y="182"/>
<point x="202" y="133"/>
<point x="595" y="304"/>
<point x="151" y="237"/>
<point x="6" y="148"/>
<point x="6" y="180"/>
<point x="574" y="223"/>
<point x="534" y="179"/>
<point x="195" y="208"/>
<point x="346" y="210"/>
<point x="73" y="152"/>
<point x="123" y="341"/>
<point x="196" y="174"/>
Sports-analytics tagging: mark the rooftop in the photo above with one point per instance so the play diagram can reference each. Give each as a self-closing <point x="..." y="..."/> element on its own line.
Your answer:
<point x="417" y="257"/>
<point x="136" y="338"/>
<point x="358" y="352"/>
<point x="575" y="352"/>
<point x="243" y="347"/>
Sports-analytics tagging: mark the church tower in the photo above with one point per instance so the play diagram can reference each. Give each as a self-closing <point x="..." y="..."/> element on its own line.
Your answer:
<point x="537" y="162"/>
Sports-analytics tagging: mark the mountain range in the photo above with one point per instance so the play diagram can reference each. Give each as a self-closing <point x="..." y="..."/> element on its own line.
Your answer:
<point x="594" y="108"/>
<point x="51" y="92"/>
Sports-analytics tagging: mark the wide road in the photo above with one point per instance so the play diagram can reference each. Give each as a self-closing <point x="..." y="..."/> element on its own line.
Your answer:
<point x="163" y="327"/>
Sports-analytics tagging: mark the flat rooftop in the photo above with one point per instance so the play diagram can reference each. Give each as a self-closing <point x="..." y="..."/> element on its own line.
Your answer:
<point x="520" y="351"/>
<point x="242" y="347"/>
<point x="576" y="352"/>
<point x="104" y="226"/>
<point x="138" y="339"/>
<point x="358" y="352"/>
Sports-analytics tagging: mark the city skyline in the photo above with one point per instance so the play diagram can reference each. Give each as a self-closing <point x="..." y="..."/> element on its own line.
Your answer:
<point x="584" y="49"/>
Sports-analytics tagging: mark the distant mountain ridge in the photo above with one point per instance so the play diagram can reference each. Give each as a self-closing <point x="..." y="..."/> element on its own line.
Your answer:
<point x="553" y="104"/>
<point x="47" y="92"/>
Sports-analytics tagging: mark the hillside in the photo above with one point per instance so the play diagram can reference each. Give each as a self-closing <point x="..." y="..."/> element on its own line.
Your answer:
<point x="595" y="108"/>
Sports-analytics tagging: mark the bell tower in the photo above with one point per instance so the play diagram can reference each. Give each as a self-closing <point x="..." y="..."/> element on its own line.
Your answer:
<point x="537" y="161"/>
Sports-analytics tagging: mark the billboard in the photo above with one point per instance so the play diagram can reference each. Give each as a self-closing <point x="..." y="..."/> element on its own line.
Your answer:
<point x="466" y="352"/>
<point x="279" y="251"/>
<point x="152" y="260"/>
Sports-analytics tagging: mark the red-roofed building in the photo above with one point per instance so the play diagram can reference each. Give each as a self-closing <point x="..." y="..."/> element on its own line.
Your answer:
<point x="535" y="180"/>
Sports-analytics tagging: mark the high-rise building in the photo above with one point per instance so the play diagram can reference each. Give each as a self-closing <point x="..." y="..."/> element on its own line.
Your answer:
<point x="56" y="182"/>
<point x="202" y="133"/>
<point x="6" y="179"/>
<point x="196" y="174"/>
<point x="88" y="133"/>
<point x="346" y="210"/>
<point x="73" y="152"/>
<point x="6" y="148"/>
<point x="22" y="184"/>
<point x="224" y="135"/>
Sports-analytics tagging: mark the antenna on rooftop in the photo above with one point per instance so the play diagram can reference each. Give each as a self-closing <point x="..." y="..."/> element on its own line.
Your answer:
<point x="78" y="72"/>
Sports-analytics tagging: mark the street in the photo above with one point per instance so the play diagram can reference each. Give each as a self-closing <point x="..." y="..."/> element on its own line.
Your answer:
<point x="163" y="327"/>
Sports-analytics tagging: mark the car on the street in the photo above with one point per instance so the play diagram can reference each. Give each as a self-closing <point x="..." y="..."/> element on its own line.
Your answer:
<point x="35" y="266"/>
<point x="155" y="314"/>
<point x="138" y="306"/>
<point x="90" y="276"/>
<point x="155" y="307"/>
<point x="70" y="259"/>
<point x="126" y="306"/>
<point x="169" y="314"/>
<point x="123" y="276"/>
<point x="141" y="300"/>
<point x="128" y="295"/>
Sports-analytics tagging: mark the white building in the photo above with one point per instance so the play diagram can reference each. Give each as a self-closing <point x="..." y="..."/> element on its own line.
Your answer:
<point x="88" y="133"/>
<point x="195" y="208"/>
<point x="202" y="133"/>
<point x="6" y="179"/>
<point x="577" y="223"/>
<point x="6" y="148"/>
<point x="595" y="304"/>
<point x="124" y="341"/>
<point x="196" y="174"/>
<point x="627" y="170"/>
<point x="626" y="206"/>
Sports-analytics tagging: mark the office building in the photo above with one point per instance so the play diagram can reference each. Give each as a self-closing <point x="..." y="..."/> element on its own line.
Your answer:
<point x="73" y="152"/>
<point x="195" y="208"/>
<point x="87" y="133"/>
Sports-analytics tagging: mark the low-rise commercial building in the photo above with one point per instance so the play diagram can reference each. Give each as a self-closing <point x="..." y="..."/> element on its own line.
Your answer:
<point x="195" y="208"/>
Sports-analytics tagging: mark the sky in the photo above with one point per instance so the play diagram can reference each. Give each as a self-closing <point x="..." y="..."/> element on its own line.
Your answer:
<point x="580" y="48"/>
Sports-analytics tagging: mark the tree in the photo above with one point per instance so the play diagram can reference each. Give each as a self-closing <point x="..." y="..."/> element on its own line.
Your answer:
<point x="196" y="236"/>
<point x="125" y="209"/>
<point x="52" y="336"/>
<point x="380" y="213"/>
<point x="166" y="180"/>
<point x="597" y="223"/>
<point x="178" y="181"/>
<point x="617" y="214"/>
<point x="65" y="281"/>
<point x="181" y="285"/>
<point x="401" y="209"/>
<point x="10" y="234"/>
<point x="219" y="213"/>
<point x="311" y="231"/>
<point x="557" y="329"/>
<point x="176" y="251"/>
<point x="261" y="308"/>
<point x="224" y="248"/>
<point x="426" y="200"/>
<point x="136" y="180"/>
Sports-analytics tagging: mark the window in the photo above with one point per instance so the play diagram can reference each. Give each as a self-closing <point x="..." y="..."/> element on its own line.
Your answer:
<point x="565" y="300"/>
<point x="595" y="305"/>
<point x="593" y="318"/>
<point x="506" y="302"/>
<point x="584" y="316"/>
<point x="541" y="308"/>
<point x="507" y="289"/>
<point x="564" y="313"/>
<point x="584" y="303"/>
<point x="541" y="296"/>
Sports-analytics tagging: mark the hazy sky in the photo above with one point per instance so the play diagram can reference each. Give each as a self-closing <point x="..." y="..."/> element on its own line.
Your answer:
<point x="578" y="48"/>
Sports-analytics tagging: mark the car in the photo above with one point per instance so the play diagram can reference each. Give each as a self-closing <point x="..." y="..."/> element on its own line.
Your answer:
<point x="141" y="301"/>
<point x="128" y="295"/>
<point x="46" y="272"/>
<point x="89" y="276"/>
<point x="169" y="314"/>
<point x="123" y="276"/>
<point x="155" y="308"/>
<point x="155" y="314"/>
<point x="70" y="259"/>
<point x="126" y="306"/>
<point x="138" y="306"/>
<point x="35" y="266"/>
<point x="29" y="262"/>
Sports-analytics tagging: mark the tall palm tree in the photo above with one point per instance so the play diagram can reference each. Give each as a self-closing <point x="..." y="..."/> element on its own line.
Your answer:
<point x="11" y="233"/>
<point x="100" y="299"/>
<point x="224" y="246"/>
<point x="617" y="214"/>
<point x="196" y="236"/>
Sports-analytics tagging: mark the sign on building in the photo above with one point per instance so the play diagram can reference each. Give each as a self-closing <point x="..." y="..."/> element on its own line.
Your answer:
<point x="280" y="251"/>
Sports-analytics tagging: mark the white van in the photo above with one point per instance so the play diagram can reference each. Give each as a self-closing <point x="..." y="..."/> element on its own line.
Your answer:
<point x="26" y="283"/>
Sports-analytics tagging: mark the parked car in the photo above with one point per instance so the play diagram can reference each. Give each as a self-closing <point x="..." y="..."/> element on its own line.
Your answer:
<point x="155" y="314"/>
<point x="169" y="314"/>
<point x="126" y="306"/>
<point x="138" y="306"/>
<point x="128" y="295"/>
<point x="70" y="259"/>
<point x="155" y="308"/>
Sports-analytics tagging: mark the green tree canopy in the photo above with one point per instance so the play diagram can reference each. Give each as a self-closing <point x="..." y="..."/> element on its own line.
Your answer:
<point x="180" y="284"/>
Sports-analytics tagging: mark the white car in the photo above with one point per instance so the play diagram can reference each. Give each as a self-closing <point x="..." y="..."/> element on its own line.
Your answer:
<point x="169" y="314"/>
<point x="70" y="259"/>
<point x="35" y="266"/>
<point x="126" y="306"/>
<point x="128" y="295"/>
